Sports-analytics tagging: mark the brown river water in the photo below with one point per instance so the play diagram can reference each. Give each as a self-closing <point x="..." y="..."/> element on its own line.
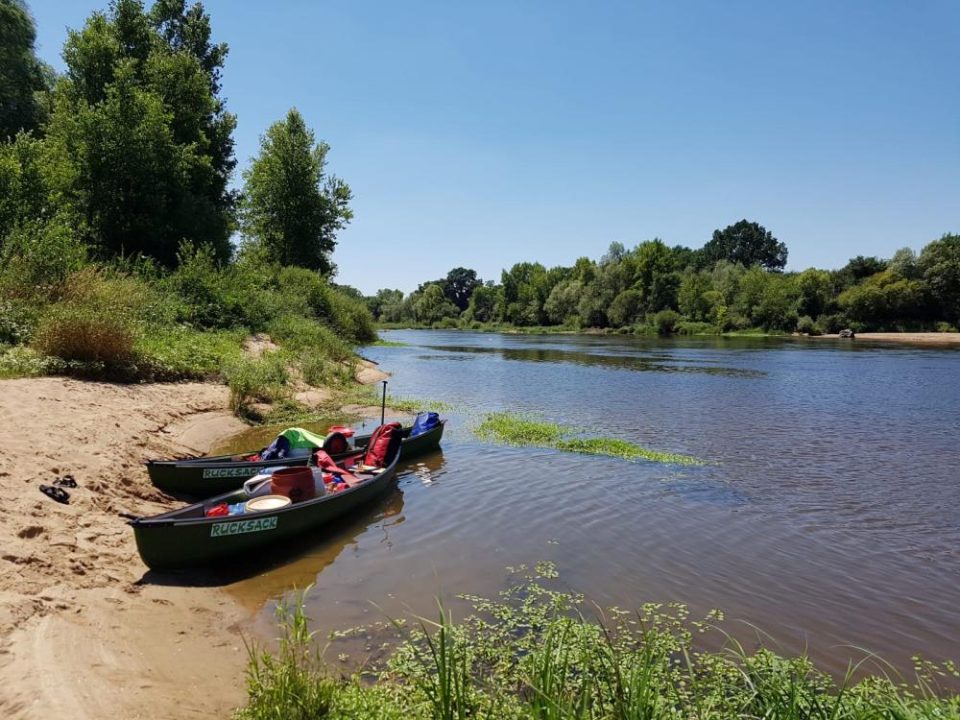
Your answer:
<point x="828" y="515"/>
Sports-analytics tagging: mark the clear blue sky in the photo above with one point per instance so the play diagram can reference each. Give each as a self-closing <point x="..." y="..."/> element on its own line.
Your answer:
<point x="486" y="133"/>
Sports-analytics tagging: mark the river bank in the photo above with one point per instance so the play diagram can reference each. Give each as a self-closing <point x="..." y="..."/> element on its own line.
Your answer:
<point x="83" y="634"/>
<point x="86" y="631"/>
<point x="907" y="338"/>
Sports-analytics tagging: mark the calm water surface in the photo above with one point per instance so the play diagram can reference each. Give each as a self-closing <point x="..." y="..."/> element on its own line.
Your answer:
<point x="829" y="515"/>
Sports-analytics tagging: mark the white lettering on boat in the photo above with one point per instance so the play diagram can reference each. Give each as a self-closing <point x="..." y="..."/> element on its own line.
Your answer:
<point x="229" y="472"/>
<point x="243" y="526"/>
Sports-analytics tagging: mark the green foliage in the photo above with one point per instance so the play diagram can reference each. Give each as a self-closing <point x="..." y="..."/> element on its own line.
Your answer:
<point x="746" y="243"/>
<point x="37" y="257"/>
<point x="939" y="264"/>
<point x="666" y="321"/>
<point x="511" y="429"/>
<point x="22" y="75"/>
<point x="807" y="326"/>
<point x="523" y="430"/>
<point x="533" y="654"/>
<point x="614" y="447"/>
<point x="292" y="208"/>
<point x="291" y="684"/>
<point x="257" y="380"/>
<point x="459" y="286"/>
<point x="139" y="143"/>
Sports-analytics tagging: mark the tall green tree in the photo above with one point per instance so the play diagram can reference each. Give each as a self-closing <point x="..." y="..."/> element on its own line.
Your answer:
<point x="747" y="243"/>
<point x="291" y="206"/>
<point x="22" y="75"/>
<point x="459" y="286"/>
<point x="139" y="141"/>
<point x="939" y="262"/>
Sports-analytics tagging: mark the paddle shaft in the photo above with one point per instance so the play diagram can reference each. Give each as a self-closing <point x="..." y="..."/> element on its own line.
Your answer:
<point x="383" y="404"/>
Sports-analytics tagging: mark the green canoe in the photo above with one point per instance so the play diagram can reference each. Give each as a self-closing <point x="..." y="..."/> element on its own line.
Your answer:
<point x="186" y="538"/>
<point x="206" y="476"/>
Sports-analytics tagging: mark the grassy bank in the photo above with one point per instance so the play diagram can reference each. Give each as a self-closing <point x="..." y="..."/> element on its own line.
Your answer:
<point x="540" y="654"/>
<point x="134" y="322"/>
<point x="512" y="429"/>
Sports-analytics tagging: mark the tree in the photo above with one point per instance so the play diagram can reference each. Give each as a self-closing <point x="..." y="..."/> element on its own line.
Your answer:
<point x="625" y="308"/>
<point x="430" y="304"/>
<point x="939" y="262"/>
<point x="22" y="75"/>
<point x="139" y="141"/>
<point x="483" y="303"/>
<point x="291" y="206"/>
<point x="747" y="243"/>
<point x="459" y="286"/>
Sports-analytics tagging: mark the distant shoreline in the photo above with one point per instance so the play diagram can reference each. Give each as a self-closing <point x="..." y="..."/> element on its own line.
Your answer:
<point x="907" y="338"/>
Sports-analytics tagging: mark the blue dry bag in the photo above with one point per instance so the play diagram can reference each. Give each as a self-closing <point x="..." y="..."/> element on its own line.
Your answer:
<point x="425" y="421"/>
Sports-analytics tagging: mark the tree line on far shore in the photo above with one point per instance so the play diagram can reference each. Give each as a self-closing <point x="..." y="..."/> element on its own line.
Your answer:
<point x="735" y="282"/>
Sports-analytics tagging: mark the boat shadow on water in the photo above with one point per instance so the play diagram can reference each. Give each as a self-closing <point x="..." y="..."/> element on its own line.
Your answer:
<point x="295" y="562"/>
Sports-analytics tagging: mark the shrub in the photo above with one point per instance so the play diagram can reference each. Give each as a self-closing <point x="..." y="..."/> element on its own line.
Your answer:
<point x="690" y="327"/>
<point x="85" y="333"/>
<point x="18" y="319"/>
<point x="261" y="380"/>
<point x="37" y="257"/>
<point x="807" y="326"/>
<point x="666" y="321"/>
<point x="945" y="327"/>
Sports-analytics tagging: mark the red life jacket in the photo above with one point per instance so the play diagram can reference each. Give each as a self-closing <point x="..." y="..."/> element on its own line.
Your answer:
<point x="384" y="445"/>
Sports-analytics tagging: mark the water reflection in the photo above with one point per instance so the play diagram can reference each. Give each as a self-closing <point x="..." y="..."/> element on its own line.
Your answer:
<point x="638" y="363"/>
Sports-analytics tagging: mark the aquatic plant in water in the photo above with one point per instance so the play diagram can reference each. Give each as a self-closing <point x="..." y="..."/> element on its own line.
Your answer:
<point x="524" y="430"/>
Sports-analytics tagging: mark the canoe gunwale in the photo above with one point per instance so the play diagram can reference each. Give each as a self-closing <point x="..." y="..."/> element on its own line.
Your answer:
<point x="169" y="518"/>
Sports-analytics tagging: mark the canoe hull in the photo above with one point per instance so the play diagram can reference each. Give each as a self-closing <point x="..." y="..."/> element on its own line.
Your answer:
<point x="173" y="544"/>
<point x="205" y="477"/>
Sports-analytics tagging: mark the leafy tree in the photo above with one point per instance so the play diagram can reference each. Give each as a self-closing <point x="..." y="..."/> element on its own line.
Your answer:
<point x="859" y="268"/>
<point x="140" y="145"/>
<point x="386" y="305"/>
<point x="525" y="290"/>
<point x="747" y="243"/>
<point x="291" y="206"/>
<point x="885" y="300"/>
<point x="939" y="262"/>
<point x="430" y="304"/>
<point x="23" y="188"/>
<point x="22" y="75"/>
<point x="459" y="286"/>
<point x="816" y="292"/>
<point x="693" y="296"/>
<point x="625" y="308"/>
<point x="561" y="304"/>
<point x="483" y="303"/>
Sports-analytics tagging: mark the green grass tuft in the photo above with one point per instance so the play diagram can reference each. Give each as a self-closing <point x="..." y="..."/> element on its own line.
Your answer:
<point x="512" y="429"/>
<point x="614" y="447"/>
<point x="524" y="430"/>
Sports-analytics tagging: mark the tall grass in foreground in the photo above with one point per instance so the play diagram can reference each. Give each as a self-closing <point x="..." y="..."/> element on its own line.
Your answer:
<point x="531" y="654"/>
<point x="512" y="429"/>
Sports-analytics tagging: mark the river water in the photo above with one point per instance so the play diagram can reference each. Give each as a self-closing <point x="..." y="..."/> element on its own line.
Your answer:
<point x="828" y="515"/>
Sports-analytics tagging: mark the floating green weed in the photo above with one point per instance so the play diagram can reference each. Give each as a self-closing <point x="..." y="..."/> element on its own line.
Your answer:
<point x="512" y="429"/>
<point x="390" y="343"/>
<point x="524" y="430"/>
<point x="623" y="449"/>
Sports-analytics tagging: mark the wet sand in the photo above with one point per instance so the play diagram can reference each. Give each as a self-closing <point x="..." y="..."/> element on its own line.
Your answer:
<point x="82" y="633"/>
<point x="931" y="338"/>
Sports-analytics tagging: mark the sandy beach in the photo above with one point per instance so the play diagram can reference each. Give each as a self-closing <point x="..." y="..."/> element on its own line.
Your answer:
<point x="930" y="338"/>
<point x="83" y="635"/>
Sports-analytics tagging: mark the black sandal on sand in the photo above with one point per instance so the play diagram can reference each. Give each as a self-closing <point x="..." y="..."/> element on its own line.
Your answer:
<point x="66" y="481"/>
<point x="58" y="494"/>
